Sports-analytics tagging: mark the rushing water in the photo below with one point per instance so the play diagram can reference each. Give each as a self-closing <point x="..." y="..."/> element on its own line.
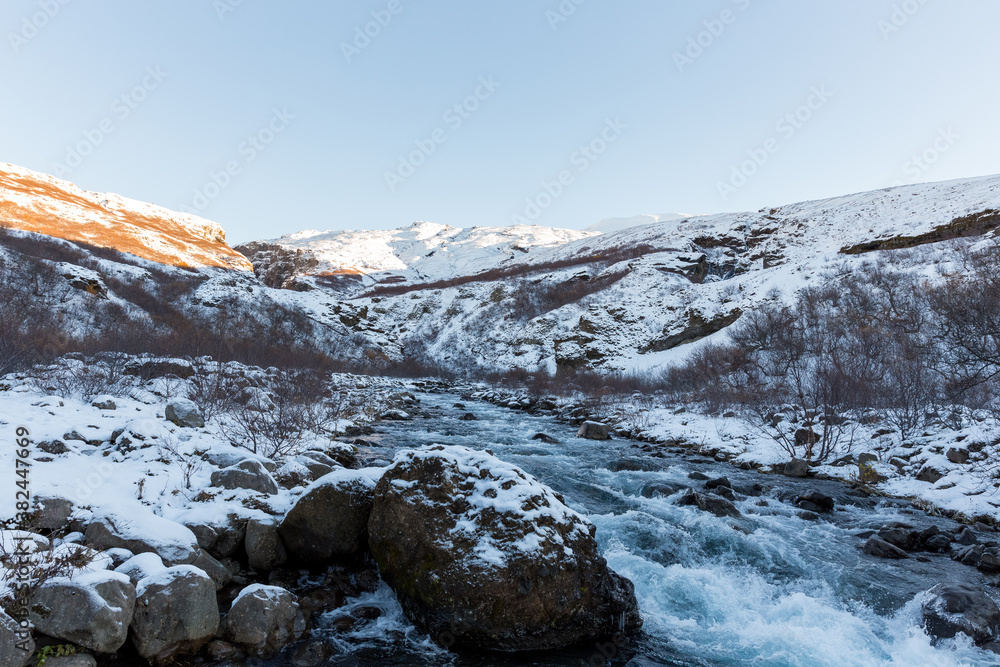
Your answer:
<point x="770" y="589"/>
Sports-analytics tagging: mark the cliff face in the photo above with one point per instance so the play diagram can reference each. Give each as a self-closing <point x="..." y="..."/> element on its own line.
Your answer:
<point x="35" y="202"/>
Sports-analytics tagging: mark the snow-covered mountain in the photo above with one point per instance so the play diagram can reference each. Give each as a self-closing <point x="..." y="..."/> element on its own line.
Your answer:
<point x="35" y="202"/>
<point x="520" y="297"/>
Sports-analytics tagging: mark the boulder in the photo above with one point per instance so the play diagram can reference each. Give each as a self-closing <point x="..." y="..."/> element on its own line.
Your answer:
<point x="52" y="513"/>
<point x="176" y="613"/>
<point x="92" y="610"/>
<point x="263" y="620"/>
<point x="814" y="501"/>
<point x="958" y="455"/>
<point x="75" y="660"/>
<point x="316" y="469"/>
<point x="54" y="447"/>
<point x="716" y="483"/>
<point x="881" y="549"/>
<point x="265" y="550"/>
<point x="16" y="648"/>
<point x="184" y="413"/>
<point x="249" y="474"/>
<point x="215" y="570"/>
<point x="469" y="417"/>
<point x="174" y="543"/>
<point x="594" y="431"/>
<point x="547" y="439"/>
<point x="222" y="540"/>
<point x="949" y="609"/>
<point x="480" y="554"/>
<point x="929" y="474"/>
<point x="660" y="490"/>
<point x="796" y="468"/>
<point x="331" y="517"/>
<point x="709" y="502"/>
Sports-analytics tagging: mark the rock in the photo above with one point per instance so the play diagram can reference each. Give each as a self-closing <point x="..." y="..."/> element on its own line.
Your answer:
<point x="104" y="403"/>
<point x="184" y="413"/>
<point x="330" y="518"/>
<point x="316" y="469"/>
<point x="54" y="447"/>
<point x="216" y="571"/>
<point x="938" y="543"/>
<point x="989" y="562"/>
<point x="249" y="474"/>
<point x="176" y="614"/>
<point x="949" y="609"/>
<point x="716" y="483"/>
<point x="174" y="543"/>
<point x="16" y="648"/>
<point x="867" y="458"/>
<point x="320" y="457"/>
<point x="220" y="651"/>
<point x="140" y="567"/>
<point x="966" y="536"/>
<point x="265" y="550"/>
<point x="395" y="415"/>
<point x="547" y="439"/>
<point x="263" y="620"/>
<point x="711" y="503"/>
<point x="92" y="610"/>
<point x="698" y="476"/>
<point x="898" y="537"/>
<point x="471" y="571"/>
<point x="814" y="501"/>
<point x="594" y="431"/>
<point x="469" y="417"/>
<point x="796" y="468"/>
<point x="958" y="455"/>
<point x="53" y="513"/>
<point x="222" y="541"/>
<point x="806" y="515"/>
<point x="929" y="474"/>
<point x="882" y="549"/>
<point x="660" y="490"/>
<point x="970" y="555"/>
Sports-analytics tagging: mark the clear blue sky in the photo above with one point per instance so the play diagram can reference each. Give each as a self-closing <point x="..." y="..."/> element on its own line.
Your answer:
<point x="921" y="82"/>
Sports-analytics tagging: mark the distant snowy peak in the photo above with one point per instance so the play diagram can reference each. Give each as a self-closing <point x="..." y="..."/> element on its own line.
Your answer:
<point x="612" y="225"/>
<point x="35" y="202"/>
<point x="424" y="250"/>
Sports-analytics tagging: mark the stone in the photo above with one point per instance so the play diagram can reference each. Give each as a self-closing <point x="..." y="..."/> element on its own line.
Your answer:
<point x="54" y="447"/>
<point x="814" y="501"/>
<point x="76" y="660"/>
<point x="16" y="648"/>
<point x="881" y="549"/>
<point x="222" y="541"/>
<point x="92" y="610"/>
<point x="698" y="476"/>
<point x="216" y="571"/>
<point x="249" y="474"/>
<point x="330" y="518"/>
<point x="660" y="490"/>
<point x="796" y="468"/>
<point x="469" y="571"/>
<point x="867" y="458"/>
<point x="184" y="413"/>
<point x="716" y="483"/>
<point x="265" y="550"/>
<point x="263" y="620"/>
<point x="959" y="456"/>
<point x="929" y="474"/>
<point x="469" y="417"/>
<point x="547" y="439"/>
<point x="711" y="503"/>
<point x="104" y="403"/>
<point x="176" y="613"/>
<point x="174" y="543"/>
<point x="594" y="431"/>
<point x="949" y="609"/>
<point x="53" y="513"/>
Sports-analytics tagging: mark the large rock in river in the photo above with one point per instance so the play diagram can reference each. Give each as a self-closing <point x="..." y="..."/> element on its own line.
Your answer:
<point x="480" y="554"/>
<point x="949" y="609"/>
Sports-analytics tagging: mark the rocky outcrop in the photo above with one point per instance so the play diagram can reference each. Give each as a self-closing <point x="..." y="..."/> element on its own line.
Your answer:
<point x="263" y="620"/>
<point x="92" y="610"/>
<point x="480" y="554"/>
<point x="331" y="517"/>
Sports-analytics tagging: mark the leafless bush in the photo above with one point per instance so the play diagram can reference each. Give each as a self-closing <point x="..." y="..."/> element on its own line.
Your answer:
<point x="85" y="379"/>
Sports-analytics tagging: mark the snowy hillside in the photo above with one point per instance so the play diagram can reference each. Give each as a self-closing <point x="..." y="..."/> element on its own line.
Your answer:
<point x="612" y="225"/>
<point x="35" y="202"/>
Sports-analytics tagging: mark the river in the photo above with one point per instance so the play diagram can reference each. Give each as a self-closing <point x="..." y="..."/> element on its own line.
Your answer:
<point x="771" y="589"/>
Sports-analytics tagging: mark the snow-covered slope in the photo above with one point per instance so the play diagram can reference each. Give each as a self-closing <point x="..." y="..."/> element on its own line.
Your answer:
<point x="35" y="202"/>
<point x="612" y="225"/>
<point x="424" y="251"/>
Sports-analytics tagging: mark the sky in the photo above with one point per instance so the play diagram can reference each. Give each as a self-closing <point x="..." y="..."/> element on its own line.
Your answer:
<point x="271" y="118"/>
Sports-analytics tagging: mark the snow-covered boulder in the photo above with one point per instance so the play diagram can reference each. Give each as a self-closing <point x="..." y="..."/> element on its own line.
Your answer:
<point x="331" y="517"/>
<point x="949" y="609"/>
<point x="144" y="533"/>
<point x="263" y="620"/>
<point x="481" y="553"/>
<point x="184" y="413"/>
<point x="594" y="431"/>
<point x="176" y="613"/>
<point x="16" y="649"/>
<point x="92" y="610"/>
<point x="249" y="474"/>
